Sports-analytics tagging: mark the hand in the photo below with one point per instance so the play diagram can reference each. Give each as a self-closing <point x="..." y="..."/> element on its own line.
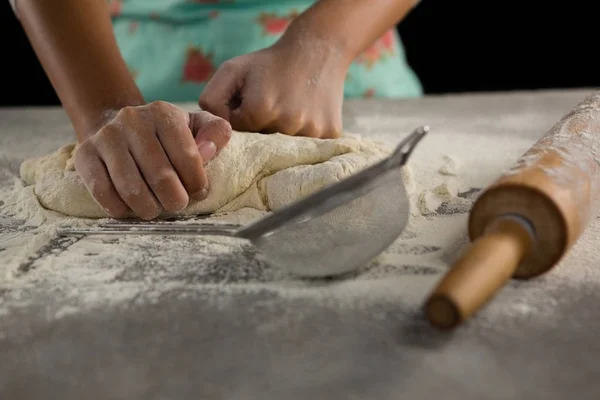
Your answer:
<point x="288" y="88"/>
<point x="150" y="158"/>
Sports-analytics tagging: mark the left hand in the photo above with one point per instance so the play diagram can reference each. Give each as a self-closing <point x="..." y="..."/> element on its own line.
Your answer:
<point x="295" y="87"/>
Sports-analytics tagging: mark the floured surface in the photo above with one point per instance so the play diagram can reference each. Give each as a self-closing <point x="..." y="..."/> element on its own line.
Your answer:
<point x="206" y="318"/>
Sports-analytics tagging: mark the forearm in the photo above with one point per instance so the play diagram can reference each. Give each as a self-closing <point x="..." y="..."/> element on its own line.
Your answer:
<point x="75" y="45"/>
<point x="349" y="26"/>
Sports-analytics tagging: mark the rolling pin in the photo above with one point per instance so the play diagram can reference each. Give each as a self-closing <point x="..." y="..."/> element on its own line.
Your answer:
<point x="526" y="221"/>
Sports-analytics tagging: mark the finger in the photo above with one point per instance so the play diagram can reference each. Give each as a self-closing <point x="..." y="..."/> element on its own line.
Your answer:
<point x="333" y="129"/>
<point x="310" y="129"/>
<point x="221" y="93"/>
<point x="158" y="172"/>
<point x="96" y="179"/>
<point x="179" y="145"/>
<point x="127" y="179"/>
<point x="210" y="132"/>
<point x="254" y="114"/>
<point x="331" y="132"/>
<point x="287" y="124"/>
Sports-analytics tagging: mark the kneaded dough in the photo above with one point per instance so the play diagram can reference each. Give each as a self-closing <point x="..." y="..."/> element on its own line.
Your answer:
<point x="259" y="171"/>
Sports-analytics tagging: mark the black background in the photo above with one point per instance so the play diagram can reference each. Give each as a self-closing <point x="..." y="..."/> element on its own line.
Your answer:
<point x="453" y="45"/>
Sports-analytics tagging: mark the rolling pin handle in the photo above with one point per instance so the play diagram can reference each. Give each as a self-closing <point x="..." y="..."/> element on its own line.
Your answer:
<point x="481" y="271"/>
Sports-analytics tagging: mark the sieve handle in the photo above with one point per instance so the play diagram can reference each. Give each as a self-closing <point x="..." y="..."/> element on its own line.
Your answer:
<point x="154" y="229"/>
<point x="403" y="151"/>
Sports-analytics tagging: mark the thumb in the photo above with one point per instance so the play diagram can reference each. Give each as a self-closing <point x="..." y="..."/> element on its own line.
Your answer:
<point x="210" y="132"/>
<point x="221" y="92"/>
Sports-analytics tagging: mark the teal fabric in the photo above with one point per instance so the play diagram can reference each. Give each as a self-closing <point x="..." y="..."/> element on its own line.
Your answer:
<point x="173" y="47"/>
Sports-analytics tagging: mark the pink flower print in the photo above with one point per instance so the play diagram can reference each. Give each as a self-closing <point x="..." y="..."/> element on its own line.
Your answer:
<point x="274" y="24"/>
<point x="198" y="67"/>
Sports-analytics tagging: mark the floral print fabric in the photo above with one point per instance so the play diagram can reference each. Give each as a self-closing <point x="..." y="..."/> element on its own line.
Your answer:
<point x="173" y="47"/>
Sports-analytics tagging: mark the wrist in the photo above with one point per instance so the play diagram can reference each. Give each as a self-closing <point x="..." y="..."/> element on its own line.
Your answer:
<point x="309" y="38"/>
<point x="97" y="119"/>
<point x="93" y="122"/>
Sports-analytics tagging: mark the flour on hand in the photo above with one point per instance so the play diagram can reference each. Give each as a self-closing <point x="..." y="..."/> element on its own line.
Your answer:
<point x="263" y="172"/>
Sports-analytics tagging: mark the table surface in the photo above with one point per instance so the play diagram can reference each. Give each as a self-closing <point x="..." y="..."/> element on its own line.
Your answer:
<point x="236" y="329"/>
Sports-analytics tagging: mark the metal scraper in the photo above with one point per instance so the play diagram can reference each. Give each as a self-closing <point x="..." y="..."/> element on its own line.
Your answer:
<point x="333" y="231"/>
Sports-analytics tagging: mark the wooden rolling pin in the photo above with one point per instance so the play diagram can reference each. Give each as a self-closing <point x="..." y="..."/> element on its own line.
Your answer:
<point x="526" y="221"/>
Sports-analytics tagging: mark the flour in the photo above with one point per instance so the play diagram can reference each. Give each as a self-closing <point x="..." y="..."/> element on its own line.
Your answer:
<point x="446" y="193"/>
<point x="101" y="271"/>
<point x="450" y="167"/>
<point x="456" y="159"/>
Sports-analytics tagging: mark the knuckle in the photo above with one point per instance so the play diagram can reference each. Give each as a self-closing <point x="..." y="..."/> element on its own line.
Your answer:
<point x="160" y="106"/>
<point x="204" y="100"/>
<point x="109" y="133"/>
<point x="221" y="127"/>
<point x="332" y="131"/>
<point x="229" y="66"/>
<point x="165" y="183"/>
<point x="260" y="116"/>
<point x="190" y="155"/>
<point x="127" y="112"/>
<point x="310" y="129"/>
<point x="266" y="106"/>
<point x="84" y="150"/>
<point x="163" y="177"/>
<point x="129" y="188"/>
<point x="289" y="123"/>
<point x="189" y="152"/>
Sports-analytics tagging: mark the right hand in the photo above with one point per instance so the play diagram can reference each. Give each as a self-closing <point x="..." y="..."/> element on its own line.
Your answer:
<point x="150" y="158"/>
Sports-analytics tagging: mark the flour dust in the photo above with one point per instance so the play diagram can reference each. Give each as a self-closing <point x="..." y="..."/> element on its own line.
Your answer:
<point x="75" y="274"/>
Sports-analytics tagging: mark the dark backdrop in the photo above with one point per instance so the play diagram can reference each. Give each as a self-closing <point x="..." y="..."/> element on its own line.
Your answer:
<point x="453" y="45"/>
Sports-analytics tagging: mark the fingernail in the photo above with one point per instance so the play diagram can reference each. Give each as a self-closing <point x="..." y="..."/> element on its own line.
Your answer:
<point x="201" y="194"/>
<point x="207" y="151"/>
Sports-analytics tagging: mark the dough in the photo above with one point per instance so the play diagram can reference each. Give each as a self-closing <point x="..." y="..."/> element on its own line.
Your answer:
<point x="264" y="172"/>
